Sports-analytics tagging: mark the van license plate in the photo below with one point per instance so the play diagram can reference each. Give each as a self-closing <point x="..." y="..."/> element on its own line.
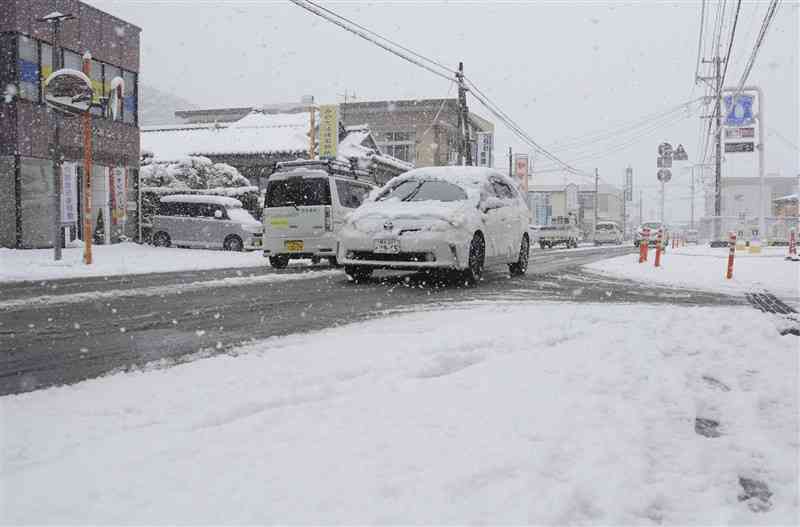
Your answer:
<point x="294" y="246"/>
<point x="387" y="246"/>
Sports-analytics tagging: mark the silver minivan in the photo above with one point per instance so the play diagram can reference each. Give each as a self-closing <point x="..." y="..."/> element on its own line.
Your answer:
<point x="211" y="222"/>
<point x="306" y="204"/>
<point x="607" y="232"/>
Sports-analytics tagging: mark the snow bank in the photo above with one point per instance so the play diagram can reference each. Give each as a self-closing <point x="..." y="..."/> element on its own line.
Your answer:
<point x="122" y="258"/>
<point x="704" y="267"/>
<point x="543" y="414"/>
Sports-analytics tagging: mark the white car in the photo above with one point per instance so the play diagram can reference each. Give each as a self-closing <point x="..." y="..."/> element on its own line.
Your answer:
<point x="607" y="232"/>
<point x="456" y="219"/>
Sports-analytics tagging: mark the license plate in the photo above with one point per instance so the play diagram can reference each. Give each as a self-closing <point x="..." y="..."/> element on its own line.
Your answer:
<point x="387" y="246"/>
<point x="294" y="246"/>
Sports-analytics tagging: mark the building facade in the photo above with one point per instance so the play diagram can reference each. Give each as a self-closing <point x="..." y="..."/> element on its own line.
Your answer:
<point x="27" y="124"/>
<point x="550" y="201"/>
<point x="423" y="132"/>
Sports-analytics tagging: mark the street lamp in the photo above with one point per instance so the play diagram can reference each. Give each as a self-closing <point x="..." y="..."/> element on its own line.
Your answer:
<point x="54" y="19"/>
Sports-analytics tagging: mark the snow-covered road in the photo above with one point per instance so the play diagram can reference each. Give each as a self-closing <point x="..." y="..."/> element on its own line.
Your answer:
<point x="496" y="412"/>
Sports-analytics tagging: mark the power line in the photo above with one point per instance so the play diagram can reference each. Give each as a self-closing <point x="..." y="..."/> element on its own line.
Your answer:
<point x="730" y="42"/>
<point x="320" y="13"/>
<point x="365" y="33"/>
<point x="771" y="10"/>
<point x="700" y="40"/>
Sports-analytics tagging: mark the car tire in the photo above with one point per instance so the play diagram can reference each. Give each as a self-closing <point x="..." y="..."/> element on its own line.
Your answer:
<point x="520" y="267"/>
<point x="358" y="272"/>
<point x="477" y="256"/>
<point x="161" y="239"/>
<point x="279" y="261"/>
<point x="233" y="243"/>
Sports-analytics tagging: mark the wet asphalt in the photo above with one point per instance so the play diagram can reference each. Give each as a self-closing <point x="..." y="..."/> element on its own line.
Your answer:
<point x="49" y="336"/>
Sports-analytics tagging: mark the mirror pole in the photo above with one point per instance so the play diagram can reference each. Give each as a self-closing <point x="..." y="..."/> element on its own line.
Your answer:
<point x="87" y="172"/>
<point x="57" y="232"/>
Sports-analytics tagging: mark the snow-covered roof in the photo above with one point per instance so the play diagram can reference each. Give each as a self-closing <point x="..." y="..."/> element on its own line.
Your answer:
<point x="789" y="198"/>
<point x="200" y="198"/>
<point x="466" y="177"/>
<point x="256" y="133"/>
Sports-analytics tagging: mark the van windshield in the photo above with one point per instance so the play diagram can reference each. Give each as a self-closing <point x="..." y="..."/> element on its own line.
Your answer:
<point x="295" y="191"/>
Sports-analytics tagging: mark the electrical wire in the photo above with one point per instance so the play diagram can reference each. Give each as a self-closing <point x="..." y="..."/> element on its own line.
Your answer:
<point x="700" y="40"/>
<point x="320" y="13"/>
<point x="768" y="17"/>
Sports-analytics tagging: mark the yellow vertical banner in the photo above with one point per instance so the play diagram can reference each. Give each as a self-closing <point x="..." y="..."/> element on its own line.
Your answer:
<point x="328" y="130"/>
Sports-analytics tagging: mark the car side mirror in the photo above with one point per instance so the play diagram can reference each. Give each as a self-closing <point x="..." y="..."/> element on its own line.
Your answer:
<point x="218" y="214"/>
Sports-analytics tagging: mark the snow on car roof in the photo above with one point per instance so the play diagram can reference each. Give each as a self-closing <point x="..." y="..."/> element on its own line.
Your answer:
<point x="466" y="177"/>
<point x="195" y="198"/>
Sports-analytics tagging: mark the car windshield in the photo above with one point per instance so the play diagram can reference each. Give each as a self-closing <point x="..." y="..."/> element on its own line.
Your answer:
<point x="424" y="190"/>
<point x="298" y="190"/>
<point x="240" y="215"/>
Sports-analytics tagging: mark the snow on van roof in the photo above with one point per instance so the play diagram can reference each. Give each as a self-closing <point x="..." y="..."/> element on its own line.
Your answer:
<point x="196" y="198"/>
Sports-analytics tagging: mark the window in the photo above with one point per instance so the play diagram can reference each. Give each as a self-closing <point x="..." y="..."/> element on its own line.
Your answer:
<point x="351" y="194"/>
<point x="98" y="88"/>
<point x="72" y="60"/>
<point x="399" y="145"/>
<point x="109" y="73"/>
<point x="502" y="190"/>
<point x="28" y="69"/>
<point x="297" y="190"/>
<point x="430" y="190"/>
<point x="46" y="63"/>
<point x="129" y="102"/>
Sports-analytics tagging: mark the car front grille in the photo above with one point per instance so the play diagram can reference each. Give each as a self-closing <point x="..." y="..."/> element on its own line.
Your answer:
<point x="384" y="257"/>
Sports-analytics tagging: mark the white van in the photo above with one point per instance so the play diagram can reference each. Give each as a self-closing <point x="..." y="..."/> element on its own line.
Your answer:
<point x="607" y="232"/>
<point x="210" y="222"/>
<point x="306" y="204"/>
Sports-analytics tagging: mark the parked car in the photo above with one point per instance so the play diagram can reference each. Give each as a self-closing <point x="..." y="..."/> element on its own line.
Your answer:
<point x="211" y="222"/>
<point x="562" y="230"/>
<point x="691" y="236"/>
<point x="306" y="204"/>
<point x="455" y="219"/>
<point x="654" y="227"/>
<point x="607" y="232"/>
<point x="534" y="231"/>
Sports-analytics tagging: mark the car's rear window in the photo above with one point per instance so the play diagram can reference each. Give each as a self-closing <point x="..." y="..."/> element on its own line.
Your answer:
<point x="298" y="191"/>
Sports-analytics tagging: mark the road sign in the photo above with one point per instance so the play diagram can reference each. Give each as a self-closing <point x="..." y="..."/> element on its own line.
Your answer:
<point x="664" y="175"/>
<point x="680" y="154"/>
<point x="740" y="111"/>
<point x="664" y="162"/>
<point x="732" y="148"/>
<point x="665" y="150"/>
<point x="740" y="133"/>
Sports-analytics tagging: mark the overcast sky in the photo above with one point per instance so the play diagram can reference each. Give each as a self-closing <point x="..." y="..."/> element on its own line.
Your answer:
<point x="560" y="69"/>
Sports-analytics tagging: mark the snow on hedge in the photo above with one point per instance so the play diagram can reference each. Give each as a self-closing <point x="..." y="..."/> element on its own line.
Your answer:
<point x="192" y="172"/>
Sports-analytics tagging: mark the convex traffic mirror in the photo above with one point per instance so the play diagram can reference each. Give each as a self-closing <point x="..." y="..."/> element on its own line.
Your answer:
<point x="68" y="91"/>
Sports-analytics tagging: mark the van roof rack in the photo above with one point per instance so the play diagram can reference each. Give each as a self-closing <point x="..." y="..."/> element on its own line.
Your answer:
<point x="332" y="166"/>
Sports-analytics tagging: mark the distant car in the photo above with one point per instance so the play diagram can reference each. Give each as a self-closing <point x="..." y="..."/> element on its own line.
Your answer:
<point x="535" y="231"/>
<point x="654" y="227"/>
<point x="607" y="232"/>
<point x="562" y="230"/>
<point x="456" y="219"/>
<point x="211" y="222"/>
<point x="691" y="236"/>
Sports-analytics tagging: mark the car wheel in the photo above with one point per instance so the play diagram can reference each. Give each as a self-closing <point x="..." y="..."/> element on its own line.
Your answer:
<point x="520" y="267"/>
<point x="477" y="254"/>
<point x="279" y="261"/>
<point x="161" y="239"/>
<point x="233" y="243"/>
<point x="358" y="272"/>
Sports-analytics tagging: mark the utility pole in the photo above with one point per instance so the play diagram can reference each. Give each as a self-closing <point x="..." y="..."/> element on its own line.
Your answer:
<point x="510" y="163"/>
<point x="596" y="202"/>
<point x="312" y="132"/>
<point x="717" y="116"/>
<point x="55" y="19"/>
<point x="87" y="172"/>
<point x="464" y="151"/>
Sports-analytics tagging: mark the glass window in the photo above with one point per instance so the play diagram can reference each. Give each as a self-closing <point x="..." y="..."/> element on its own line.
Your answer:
<point x="46" y="51"/>
<point x="28" y="68"/>
<point x="73" y="60"/>
<point x="129" y="102"/>
<point x="413" y="190"/>
<point x="297" y="190"/>
<point x="98" y="86"/>
<point x="502" y="190"/>
<point x="351" y="194"/>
